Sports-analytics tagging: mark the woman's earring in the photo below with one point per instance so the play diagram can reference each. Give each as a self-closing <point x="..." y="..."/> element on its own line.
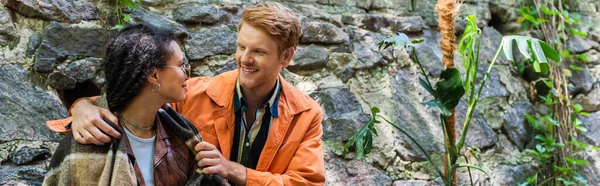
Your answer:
<point x="155" y="91"/>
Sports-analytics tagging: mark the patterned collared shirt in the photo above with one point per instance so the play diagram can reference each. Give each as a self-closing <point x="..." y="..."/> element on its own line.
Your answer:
<point x="249" y="139"/>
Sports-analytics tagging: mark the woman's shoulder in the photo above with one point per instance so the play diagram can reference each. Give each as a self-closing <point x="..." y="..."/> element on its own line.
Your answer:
<point x="69" y="147"/>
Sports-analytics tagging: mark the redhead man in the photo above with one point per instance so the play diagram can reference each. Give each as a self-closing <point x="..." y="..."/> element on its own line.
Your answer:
<point x="257" y="128"/>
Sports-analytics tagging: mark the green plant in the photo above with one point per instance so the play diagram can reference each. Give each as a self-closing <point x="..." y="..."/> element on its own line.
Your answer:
<point x="124" y="17"/>
<point x="557" y="149"/>
<point x="547" y="145"/>
<point x="451" y="88"/>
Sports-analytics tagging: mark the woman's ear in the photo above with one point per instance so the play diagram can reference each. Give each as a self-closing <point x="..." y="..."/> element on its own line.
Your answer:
<point x="288" y="55"/>
<point x="153" y="76"/>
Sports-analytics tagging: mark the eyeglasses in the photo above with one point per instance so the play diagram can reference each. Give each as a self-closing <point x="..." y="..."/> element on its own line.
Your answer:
<point x="186" y="68"/>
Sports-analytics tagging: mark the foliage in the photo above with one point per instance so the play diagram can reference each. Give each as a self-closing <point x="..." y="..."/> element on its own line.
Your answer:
<point x="557" y="168"/>
<point x="547" y="145"/>
<point x="124" y="17"/>
<point x="451" y="88"/>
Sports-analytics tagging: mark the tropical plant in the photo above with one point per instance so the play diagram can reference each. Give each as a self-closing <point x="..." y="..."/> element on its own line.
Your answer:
<point x="448" y="91"/>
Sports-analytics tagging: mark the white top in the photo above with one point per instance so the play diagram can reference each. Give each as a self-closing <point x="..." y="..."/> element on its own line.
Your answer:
<point x="143" y="150"/>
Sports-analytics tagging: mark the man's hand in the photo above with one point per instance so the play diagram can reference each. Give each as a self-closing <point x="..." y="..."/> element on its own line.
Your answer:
<point x="88" y="125"/>
<point x="213" y="162"/>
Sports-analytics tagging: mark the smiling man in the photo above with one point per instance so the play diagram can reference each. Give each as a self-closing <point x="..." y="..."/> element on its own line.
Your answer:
<point x="257" y="128"/>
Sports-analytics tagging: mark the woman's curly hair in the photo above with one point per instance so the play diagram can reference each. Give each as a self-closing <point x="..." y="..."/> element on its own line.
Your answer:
<point x="130" y="57"/>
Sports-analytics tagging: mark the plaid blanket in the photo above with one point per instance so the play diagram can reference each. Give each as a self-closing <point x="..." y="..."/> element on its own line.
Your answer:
<point x="77" y="164"/>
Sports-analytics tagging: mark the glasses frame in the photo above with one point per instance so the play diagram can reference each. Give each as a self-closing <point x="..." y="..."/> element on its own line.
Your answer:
<point x="186" y="68"/>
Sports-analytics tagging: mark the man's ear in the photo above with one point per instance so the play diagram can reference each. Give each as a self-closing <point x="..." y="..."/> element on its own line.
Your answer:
<point x="288" y="55"/>
<point x="153" y="76"/>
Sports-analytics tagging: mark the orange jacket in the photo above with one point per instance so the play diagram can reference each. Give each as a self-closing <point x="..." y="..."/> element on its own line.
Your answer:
<point x="292" y="154"/>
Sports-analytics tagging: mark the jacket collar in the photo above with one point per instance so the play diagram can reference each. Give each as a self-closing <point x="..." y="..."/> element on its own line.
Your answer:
<point x="240" y="103"/>
<point x="222" y="87"/>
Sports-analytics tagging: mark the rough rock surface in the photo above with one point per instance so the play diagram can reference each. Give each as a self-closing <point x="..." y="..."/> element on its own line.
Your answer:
<point x="54" y="10"/>
<point x="342" y="113"/>
<point x="18" y="98"/>
<point x="62" y="41"/>
<point x="211" y="41"/>
<point x="26" y="155"/>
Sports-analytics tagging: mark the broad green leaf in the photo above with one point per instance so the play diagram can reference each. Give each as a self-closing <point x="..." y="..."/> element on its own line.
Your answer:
<point x="468" y="49"/>
<point x="539" y="56"/>
<point x="358" y="140"/>
<point x="126" y="18"/>
<point x="579" y="33"/>
<point x="360" y="146"/>
<point x="129" y="4"/>
<point x="532" y="152"/>
<point x="369" y="143"/>
<point x="372" y="128"/>
<point x="117" y="27"/>
<point x="400" y="41"/>
<point x="577" y="121"/>
<point x="523" y="47"/>
<point x="552" y="121"/>
<point x="541" y="67"/>
<point x="565" y="53"/>
<point x="583" y="58"/>
<point x="579" y="144"/>
<point x="417" y="41"/>
<point x="540" y="137"/>
<point x="540" y="148"/>
<point x="375" y="110"/>
<point x="540" y="20"/>
<point x="351" y="141"/>
<point x="437" y="104"/>
<point x="570" y="160"/>
<point x="549" y="52"/>
<point x="578" y="108"/>
<point x="580" y="179"/>
<point x="532" y="120"/>
<point x="548" y="11"/>
<point x="581" y="128"/>
<point x="576" y="68"/>
<point x="363" y="138"/>
<point x="450" y="88"/>
<point x="532" y="49"/>
<point x="558" y="145"/>
<point x="548" y="83"/>
<point x="566" y="182"/>
<point x="586" y="114"/>
<point x="427" y="87"/>
<point x="582" y="162"/>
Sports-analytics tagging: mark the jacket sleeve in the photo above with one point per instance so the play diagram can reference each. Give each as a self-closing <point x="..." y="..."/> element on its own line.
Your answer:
<point x="60" y="125"/>
<point x="307" y="167"/>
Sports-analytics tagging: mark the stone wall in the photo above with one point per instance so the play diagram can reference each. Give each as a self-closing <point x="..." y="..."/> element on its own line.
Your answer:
<point x="51" y="53"/>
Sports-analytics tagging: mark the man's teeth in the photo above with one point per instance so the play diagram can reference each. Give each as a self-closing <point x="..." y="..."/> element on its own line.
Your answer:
<point x="248" y="70"/>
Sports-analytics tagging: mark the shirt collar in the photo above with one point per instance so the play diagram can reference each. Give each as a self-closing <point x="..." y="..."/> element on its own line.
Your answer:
<point x="240" y="103"/>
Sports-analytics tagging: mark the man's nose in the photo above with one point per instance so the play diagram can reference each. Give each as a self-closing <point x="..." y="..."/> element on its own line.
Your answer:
<point x="246" y="57"/>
